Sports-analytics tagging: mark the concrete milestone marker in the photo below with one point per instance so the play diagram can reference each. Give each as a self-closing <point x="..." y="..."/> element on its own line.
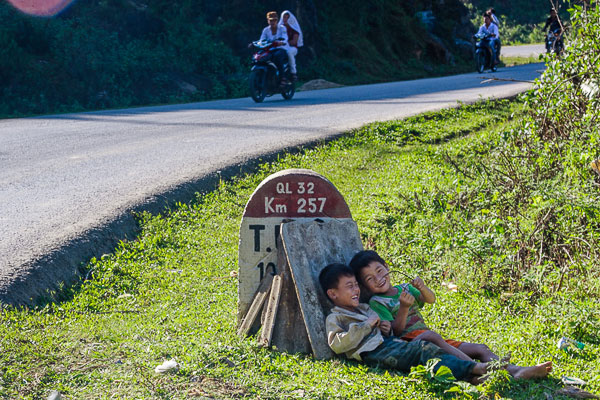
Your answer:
<point x="310" y="246"/>
<point x="297" y="194"/>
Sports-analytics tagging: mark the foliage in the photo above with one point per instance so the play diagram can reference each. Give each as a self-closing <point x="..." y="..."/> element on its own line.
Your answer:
<point x="543" y="196"/>
<point x="441" y="374"/>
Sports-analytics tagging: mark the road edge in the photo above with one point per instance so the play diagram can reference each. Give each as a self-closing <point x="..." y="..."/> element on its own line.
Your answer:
<point x="47" y="278"/>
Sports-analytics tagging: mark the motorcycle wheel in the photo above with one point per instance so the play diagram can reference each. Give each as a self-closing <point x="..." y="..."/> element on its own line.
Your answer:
<point x="257" y="91"/>
<point x="480" y="58"/>
<point x="288" y="91"/>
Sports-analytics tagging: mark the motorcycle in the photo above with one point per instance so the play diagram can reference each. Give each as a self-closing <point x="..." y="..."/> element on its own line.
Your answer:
<point x="484" y="57"/>
<point x="265" y="79"/>
<point x="554" y="43"/>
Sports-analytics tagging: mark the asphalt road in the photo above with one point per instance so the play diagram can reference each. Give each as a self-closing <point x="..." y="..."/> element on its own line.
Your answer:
<point x="68" y="183"/>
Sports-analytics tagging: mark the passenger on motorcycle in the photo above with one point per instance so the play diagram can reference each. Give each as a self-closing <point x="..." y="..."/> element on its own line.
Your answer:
<point x="278" y="35"/>
<point x="294" y="33"/>
<point x="496" y="21"/>
<point x="491" y="29"/>
<point x="555" y="26"/>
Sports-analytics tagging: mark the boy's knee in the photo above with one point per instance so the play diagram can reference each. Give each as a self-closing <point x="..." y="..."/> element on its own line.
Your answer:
<point x="428" y="349"/>
<point x="483" y="347"/>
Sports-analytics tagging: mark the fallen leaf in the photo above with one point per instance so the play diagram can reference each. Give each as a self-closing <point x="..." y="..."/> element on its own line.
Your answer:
<point x="596" y="165"/>
<point x="227" y="362"/>
<point x="577" y="393"/>
<point x="450" y="286"/>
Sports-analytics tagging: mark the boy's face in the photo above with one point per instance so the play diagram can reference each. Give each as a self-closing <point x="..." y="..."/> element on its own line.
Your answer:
<point x="346" y="294"/>
<point x="376" y="277"/>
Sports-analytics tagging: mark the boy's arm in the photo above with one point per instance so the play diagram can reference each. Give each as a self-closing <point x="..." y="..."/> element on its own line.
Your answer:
<point x="341" y="340"/>
<point x="385" y="315"/>
<point x="427" y="295"/>
<point x="399" y="322"/>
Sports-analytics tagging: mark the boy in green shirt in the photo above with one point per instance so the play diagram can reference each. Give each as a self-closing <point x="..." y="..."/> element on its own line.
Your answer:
<point x="400" y="306"/>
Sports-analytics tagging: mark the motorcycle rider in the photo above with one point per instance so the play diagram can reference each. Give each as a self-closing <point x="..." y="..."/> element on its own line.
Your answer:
<point x="554" y="23"/>
<point x="278" y="35"/>
<point x="294" y="33"/>
<point x="488" y="28"/>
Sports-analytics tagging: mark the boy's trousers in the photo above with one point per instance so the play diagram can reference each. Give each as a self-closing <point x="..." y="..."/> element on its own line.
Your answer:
<point x="395" y="353"/>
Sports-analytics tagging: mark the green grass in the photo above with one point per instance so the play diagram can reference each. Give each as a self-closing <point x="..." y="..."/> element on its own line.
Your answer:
<point x="512" y="61"/>
<point x="170" y="293"/>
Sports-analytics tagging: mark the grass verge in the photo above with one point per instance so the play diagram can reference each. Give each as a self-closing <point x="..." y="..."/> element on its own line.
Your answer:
<point x="170" y="293"/>
<point x="512" y="61"/>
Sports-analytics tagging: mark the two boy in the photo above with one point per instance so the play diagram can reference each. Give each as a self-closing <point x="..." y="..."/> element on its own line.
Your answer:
<point x="355" y="330"/>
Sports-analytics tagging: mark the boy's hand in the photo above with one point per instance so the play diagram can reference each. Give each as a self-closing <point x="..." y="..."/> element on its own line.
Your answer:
<point x="406" y="299"/>
<point x="386" y="328"/>
<point x="418" y="283"/>
<point x="427" y="295"/>
<point x="374" y="321"/>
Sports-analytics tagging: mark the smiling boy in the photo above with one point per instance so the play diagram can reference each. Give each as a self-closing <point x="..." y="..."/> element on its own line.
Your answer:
<point x="355" y="330"/>
<point x="400" y="304"/>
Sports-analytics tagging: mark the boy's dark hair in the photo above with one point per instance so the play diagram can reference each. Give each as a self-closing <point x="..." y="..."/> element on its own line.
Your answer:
<point x="331" y="274"/>
<point x="362" y="259"/>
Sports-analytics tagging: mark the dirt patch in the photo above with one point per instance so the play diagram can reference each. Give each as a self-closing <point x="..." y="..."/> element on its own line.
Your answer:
<point x="316" y="84"/>
<point x="211" y="388"/>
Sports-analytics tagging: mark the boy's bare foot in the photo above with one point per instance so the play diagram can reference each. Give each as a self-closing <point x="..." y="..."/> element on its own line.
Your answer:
<point x="479" y="369"/>
<point x="537" y="371"/>
<point x="477" y="380"/>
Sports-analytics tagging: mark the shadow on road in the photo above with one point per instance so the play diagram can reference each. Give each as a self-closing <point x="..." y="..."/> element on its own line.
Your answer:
<point x="402" y="90"/>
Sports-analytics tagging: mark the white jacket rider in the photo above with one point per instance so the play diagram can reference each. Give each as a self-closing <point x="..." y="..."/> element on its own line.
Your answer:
<point x="280" y="35"/>
<point x="492" y="29"/>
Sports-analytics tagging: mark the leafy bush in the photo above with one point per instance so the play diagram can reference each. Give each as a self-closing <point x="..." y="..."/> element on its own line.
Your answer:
<point x="537" y="210"/>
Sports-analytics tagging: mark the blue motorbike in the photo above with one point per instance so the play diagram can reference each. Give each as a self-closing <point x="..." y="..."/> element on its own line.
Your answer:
<point x="484" y="56"/>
